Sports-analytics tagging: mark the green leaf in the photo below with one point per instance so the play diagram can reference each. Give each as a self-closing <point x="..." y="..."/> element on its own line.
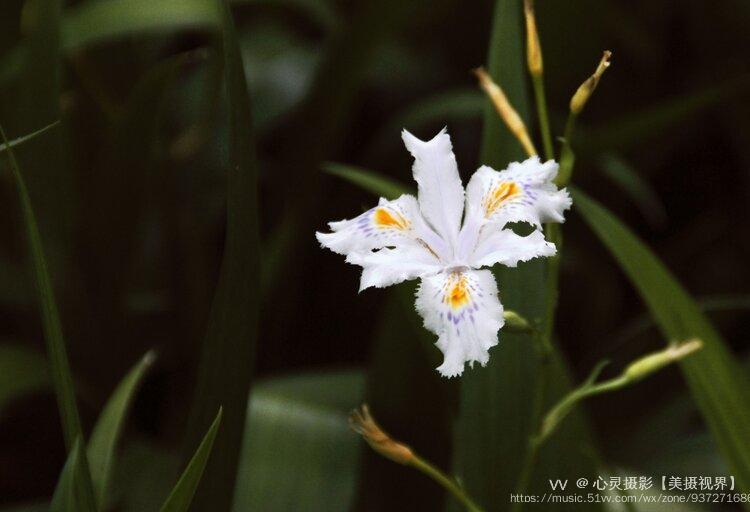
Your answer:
<point x="56" y="352"/>
<point x="506" y="65"/>
<point x="20" y="140"/>
<point x="22" y="371"/>
<point x="70" y="494"/>
<point x="181" y="497"/>
<point x="93" y="22"/>
<point x="60" y="368"/>
<point x="719" y="385"/>
<point x="298" y="452"/>
<point x="371" y="181"/>
<point x="109" y="426"/>
<point x="228" y="351"/>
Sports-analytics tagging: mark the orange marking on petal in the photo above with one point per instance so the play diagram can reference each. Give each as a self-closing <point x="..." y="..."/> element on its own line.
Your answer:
<point x="384" y="219"/>
<point x="458" y="294"/>
<point x="503" y="192"/>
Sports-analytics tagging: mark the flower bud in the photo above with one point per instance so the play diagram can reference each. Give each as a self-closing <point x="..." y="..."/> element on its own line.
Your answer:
<point x="507" y="112"/>
<point x="533" y="47"/>
<point x="655" y="362"/>
<point x="362" y="422"/>
<point x="515" y="322"/>
<point x="583" y="93"/>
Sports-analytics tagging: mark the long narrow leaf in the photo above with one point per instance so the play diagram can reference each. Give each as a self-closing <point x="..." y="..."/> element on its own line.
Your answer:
<point x="228" y="352"/>
<point x="70" y="494"/>
<point x="56" y="352"/>
<point x="106" y="433"/>
<point x="717" y="382"/>
<point x="58" y="358"/>
<point x="20" y="140"/>
<point x="181" y="497"/>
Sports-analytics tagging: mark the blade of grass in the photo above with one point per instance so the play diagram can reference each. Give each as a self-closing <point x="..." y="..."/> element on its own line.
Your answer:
<point x="56" y="352"/>
<point x="716" y="380"/>
<point x="60" y="369"/>
<point x="109" y="426"/>
<point x="70" y="494"/>
<point x="228" y="352"/>
<point x="181" y="497"/>
<point x="20" y="140"/>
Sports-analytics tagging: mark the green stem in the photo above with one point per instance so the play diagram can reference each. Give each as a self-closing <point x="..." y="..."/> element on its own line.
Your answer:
<point x="541" y="109"/>
<point x="564" y="406"/>
<point x="446" y="482"/>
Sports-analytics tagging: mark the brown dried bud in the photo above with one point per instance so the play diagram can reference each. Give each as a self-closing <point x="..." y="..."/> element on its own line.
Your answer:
<point x="509" y="115"/>
<point x="583" y="93"/>
<point x="362" y="422"/>
<point x="533" y="46"/>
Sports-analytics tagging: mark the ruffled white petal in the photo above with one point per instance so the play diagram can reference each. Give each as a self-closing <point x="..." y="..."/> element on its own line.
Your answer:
<point x="463" y="309"/>
<point x="391" y="266"/>
<point x="390" y="224"/>
<point x="523" y="192"/>
<point x="505" y="247"/>
<point x="441" y="194"/>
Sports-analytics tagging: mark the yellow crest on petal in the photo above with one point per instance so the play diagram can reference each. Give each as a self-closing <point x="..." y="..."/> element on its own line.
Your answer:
<point x="385" y="219"/>
<point x="499" y="195"/>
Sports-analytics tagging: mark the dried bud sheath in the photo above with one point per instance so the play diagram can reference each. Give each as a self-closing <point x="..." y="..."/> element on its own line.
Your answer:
<point x="582" y="95"/>
<point x="507" y="112"/>
<point x="533" y="46"/>
<point x="362" y="422"/>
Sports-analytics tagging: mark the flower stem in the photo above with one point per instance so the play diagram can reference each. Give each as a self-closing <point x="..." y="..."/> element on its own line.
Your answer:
<point x="542" y="113"/>
<point x="446" y="482"/>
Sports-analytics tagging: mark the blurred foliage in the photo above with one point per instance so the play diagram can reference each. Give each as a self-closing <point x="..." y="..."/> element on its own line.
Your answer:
<point x="130" y="192"/>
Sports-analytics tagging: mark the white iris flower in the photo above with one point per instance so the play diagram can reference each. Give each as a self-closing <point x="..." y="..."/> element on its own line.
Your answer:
<point x="424" y="237"/>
